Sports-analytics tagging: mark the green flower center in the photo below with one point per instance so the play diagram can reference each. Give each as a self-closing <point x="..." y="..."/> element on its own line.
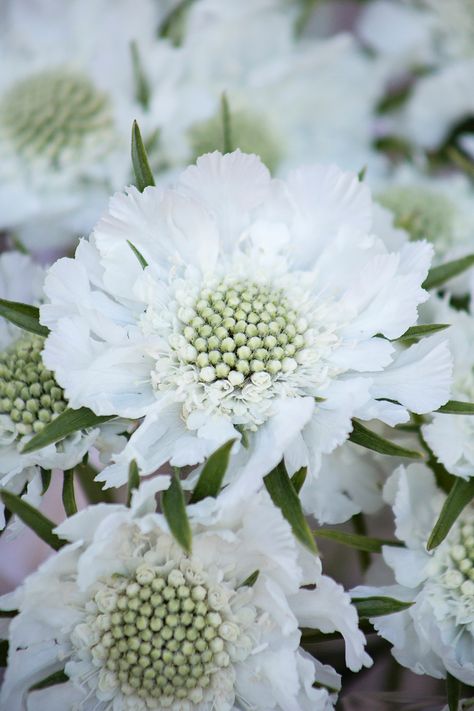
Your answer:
<point x="239" y="329"/>
<point x="249" y="132"/>
<point x="460" y="568"/>
<point x="54" y="114"/>
<point x="29" y="395"/>
<point x="161" y="637"/>
<point x="423" y="213"/>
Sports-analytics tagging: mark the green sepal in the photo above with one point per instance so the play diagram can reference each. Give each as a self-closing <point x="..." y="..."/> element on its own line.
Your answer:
<point x="212" y="475"/>
<point x="355" y="540"/>
<point x="457" y="407"/>
<point x="143" y="175"/>
<point x="68" y="494"/>
<point x="63" y="425"/>
<point x="142" y="86"/>
<point x="251" y="580"/>
<point x="24" y="316"/>
<point x="57" y="677"/>
<point x="133" y="480"/>
<point x="34" y="519"/>
<point x="174" y="510"/>
<point x="437" y="276"/>
<point x="370" y="440"/>
<point x="461" y="494"/>
<point x="141" y="259"/>
<point x="416" y="332"/>
<point x="378" y="606"/>
<point x="299" y="478"/>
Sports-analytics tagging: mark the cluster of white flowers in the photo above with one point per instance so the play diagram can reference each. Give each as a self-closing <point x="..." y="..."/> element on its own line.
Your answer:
<point x="245" y="333"/>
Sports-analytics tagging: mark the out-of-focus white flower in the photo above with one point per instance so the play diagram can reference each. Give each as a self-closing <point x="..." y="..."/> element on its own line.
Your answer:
<point x="436" y="634"/>
<point x="137" y="624"/>
<point x="451" y="437"/>
<point x="291" y="101"/>
<point x="259" y="313"/>
<point x="67" y="102"/>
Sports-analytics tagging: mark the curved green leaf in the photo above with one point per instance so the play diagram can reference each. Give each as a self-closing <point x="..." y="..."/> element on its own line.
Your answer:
<point x="174" y="510"/>
<point x="24" y="316"/>
<point x="299" y="478"/>
<point x="210" y="479"/>
<point x="461" y="494"/>
<point x="69" y="496"/>
<point x="284" y="496"/>
<point x="58" y="677"/>
<point x="251" y="580"/>
<point x="379" y="605"/>
<point x="65" y="424"/>
<point x="437" y="276"/>
<point x="133" y="480"/>
<point x="144" y="176"/>
<point x="141" y="259"/>
<point x="415" y="332"/>
<point x="457" y="407"/>
<point x="142" y="87"/>
<point x="355" y="540"/>
<point x="370" y="440"/>
<point x="34" y="519"/>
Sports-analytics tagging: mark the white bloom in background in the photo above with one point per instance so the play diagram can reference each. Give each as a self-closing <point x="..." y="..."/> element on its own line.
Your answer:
<point x="138" y="624"/>
<point x="436" y="634"/>
<point x="291" y="100"/>
<point x="67" y="102"/>
<point x="258" y="312"/>
<point x="451" y="437"/>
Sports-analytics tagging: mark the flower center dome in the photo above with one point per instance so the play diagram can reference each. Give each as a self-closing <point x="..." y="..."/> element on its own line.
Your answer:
<point x="423" y="213"/>
<point x="160" y="636"/>
<point x="29" y="395"/>
<point x="458" y="569"/>
<point x="54" y="114"/>
<point x="249" y="131"/>
<point x="240" y="329"/>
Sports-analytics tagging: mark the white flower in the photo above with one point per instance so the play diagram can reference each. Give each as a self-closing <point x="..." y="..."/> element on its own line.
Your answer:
<point x="257" y="313"/>
<point x="137" y="624"/>
<point x="29" y="396"/>
<point x="451" y="437"/>
<point x="436" y="634"/>
<point x="67" y="101"/>
<point x="291" y="101"/>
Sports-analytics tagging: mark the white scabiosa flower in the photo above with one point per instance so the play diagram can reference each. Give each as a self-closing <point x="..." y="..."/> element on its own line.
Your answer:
<point x="435" y="635"/>
<point x="137" y="624"/>
<point x="67" y="101"/>
<point x="451" y="437"/>
<point x="290" y="100"/>
<point x="258" y="313"/>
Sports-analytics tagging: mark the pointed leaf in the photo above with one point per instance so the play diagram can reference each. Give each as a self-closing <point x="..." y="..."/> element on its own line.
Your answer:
<point x="40" y="524"/>
<point x="3" y="652"/>
<point x="284" y="496"/>
<point x="133" y="480"/>
<point x="210" y="479"/>
<point x="144" y="176"/>
<point x="93" y="490"/>
<point x="310" y="636"/>
<point x="453" y="692"/>
<point x="362" y="173"/>
<point x="65" y="424"/>
<point x="69" y="496"/>
<point x="251" y="580"/>
<point x="45" y="480"/>
<point x="415" y="332"/>
<point x="142" y="87"/>
<point x="461" y="494"/>
<point x="58" y="677"/>
<point x="437" y="276"/>
<point x="370" y="440"/>
<point x="378" y="606"/>
<point x="174" y="510"/>
<point x="227" y="146"/>
<point x="24" y="316"/>
<point x="299" y="478"/>
<point x="8" y="613"/>
<point x="456" y="407"/>
<point x="355" y="540"/>
<point x="138" y="254"/>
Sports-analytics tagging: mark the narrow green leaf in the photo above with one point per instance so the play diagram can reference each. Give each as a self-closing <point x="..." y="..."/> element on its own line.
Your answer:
<point x="227" y="144"/>
<point x="456" y="407"/>
<point x="172" y="26"/>
<point x="310" y="636"/>
<point x="93" y="490"/>
<point x="453" y="692"/>
<point x="42" y="526"/>
<point x="142" y="87"/>
<point x="437" y="276"/>
<point x="284" y="496"/>
<point x="45" y="480"/>
<point x="210" y="479"/>
<point x="355" y="540"/>
<point x="133" y="480"/>
<point x="8" y="613"/>
<point x="65" y="424"/>
<point x="174" y="510"/>
<point x="23" y="315"/>
<point x="144" y="176"/>
<point x="58" y="677"/>
<point x="370" y="440"/>
<point x="378" y="606"/>
<point x="3" y="652"/>
<point x="362" y="173"/>
<point x="458" y="498"/>
<point x="138" y="254"/>
<point x="299" y="478"/>
<point x="69" y="496"/>
<point x="415" y="332"/>
<point x="251" y="580"/>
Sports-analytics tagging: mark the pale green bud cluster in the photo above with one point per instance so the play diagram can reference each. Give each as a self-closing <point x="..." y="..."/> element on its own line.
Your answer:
<point x="423" y="213"/>
<point x="29" y="395"/>
<point x="240" y="329"/>
<point x="53" y="112"/>
<point x="249" y="132"/>
<point x="460" y="575"/>
<point x="160" y="636"/>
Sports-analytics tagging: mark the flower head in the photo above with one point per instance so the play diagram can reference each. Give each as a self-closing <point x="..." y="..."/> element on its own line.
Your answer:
<point x="136" y="623"/>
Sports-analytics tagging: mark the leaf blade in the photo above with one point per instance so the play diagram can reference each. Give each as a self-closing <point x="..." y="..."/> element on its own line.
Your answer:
<point x="453" y="692"/>
<point x="212" y="475"/>
<point x="174" y="510"/>
<point x="24" y="316"/>
<point x="133" y="480"/>
<point x="356" y="540"/>
<point x="68" y="494"/>
<point x="57" y="677"/>
<point x="141" y="166"/>
<point x="370" y="440"/>
<point x="461" y="494"/>
<point x="63" y="425"/>
<point x="379" y="605"/>
<point x="415" y="332"/>
<point x="457" y="407"/>
<point x="141" y="259"/>
<point x="34" y="519"/>
<point x="437" y="276"/>
<point x="284" y="496"/>
<point x="227" y="144"/>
